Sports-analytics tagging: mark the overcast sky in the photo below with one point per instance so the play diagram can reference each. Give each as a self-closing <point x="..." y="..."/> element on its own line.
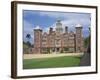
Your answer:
<point x="46" y="19"/>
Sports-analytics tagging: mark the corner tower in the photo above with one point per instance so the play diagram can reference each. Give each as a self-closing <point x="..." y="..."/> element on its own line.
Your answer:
<point x="79" y="38"/>
<point x="37" y="40"/>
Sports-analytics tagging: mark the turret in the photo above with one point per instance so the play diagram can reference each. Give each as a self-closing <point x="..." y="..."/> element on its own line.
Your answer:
<point x="37" y="39"/>
<point x="59" y="28"/>
<point x="79" y="38"/>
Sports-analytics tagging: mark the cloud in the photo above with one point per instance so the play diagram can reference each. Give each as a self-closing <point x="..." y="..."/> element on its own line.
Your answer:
<point x="69" y="19"/>
<point x="27" y="29"/>
<point x="65" y="15"/>
<point x="37" y="27"/>
<point x="46" y="29"/>
<point x="73" y="22"/>
<point x="57" y="15"/>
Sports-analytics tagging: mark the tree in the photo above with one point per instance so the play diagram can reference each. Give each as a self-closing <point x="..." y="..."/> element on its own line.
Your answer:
<point x="87" y="40"/>
<point x="28" y="44"/>
<point x="86" y="58"/>
<point x="28" y="36"/>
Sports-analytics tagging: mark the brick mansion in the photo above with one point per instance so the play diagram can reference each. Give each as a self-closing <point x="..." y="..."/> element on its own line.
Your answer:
<point x="59" y="40"/>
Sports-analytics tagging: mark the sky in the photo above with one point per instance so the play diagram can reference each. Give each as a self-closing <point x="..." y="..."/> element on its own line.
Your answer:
<point x="33" y="19"/>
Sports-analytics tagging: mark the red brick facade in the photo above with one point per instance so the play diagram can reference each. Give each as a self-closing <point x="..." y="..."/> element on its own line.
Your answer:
<point x="58" y="41"/>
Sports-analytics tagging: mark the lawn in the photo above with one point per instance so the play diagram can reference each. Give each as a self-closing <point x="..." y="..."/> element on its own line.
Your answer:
<point x="65" y="61"/>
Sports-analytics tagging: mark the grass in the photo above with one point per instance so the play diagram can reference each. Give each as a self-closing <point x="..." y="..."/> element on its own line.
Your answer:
<point x="65" y="61"/>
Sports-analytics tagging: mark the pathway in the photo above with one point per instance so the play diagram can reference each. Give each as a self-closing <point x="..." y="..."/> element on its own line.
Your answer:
<point x="31" y="56"/>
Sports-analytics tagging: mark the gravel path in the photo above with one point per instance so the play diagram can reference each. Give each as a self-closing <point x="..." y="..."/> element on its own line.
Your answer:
<point x="31" y="56"/>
